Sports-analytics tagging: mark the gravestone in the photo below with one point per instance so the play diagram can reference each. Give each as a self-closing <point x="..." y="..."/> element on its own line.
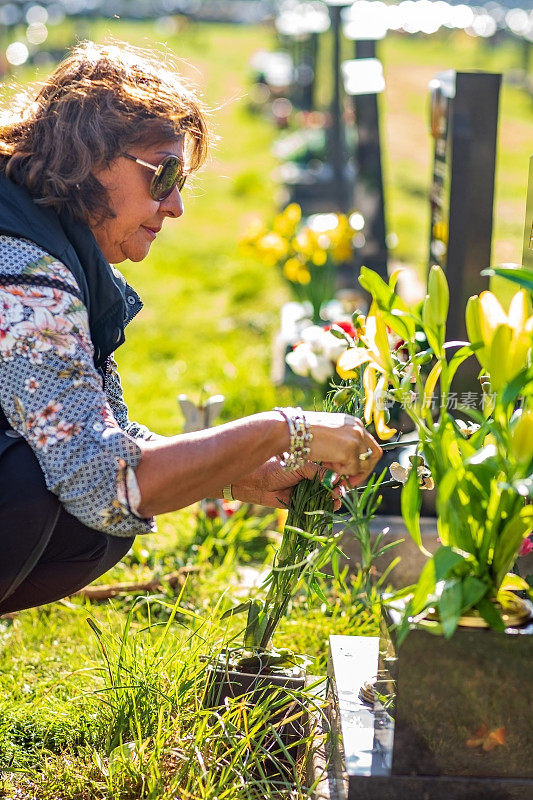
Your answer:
<point x="366" y="24"/>
<point x="337" y="142"/>
<point x="464" y="120"/>
<point x="299" y="27"/>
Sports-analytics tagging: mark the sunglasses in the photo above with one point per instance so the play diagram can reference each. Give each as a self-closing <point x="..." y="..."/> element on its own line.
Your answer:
<point x="168" y="174"/>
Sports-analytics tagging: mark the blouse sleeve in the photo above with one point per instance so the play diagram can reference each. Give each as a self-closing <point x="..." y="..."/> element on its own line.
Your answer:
<point x="52" y="395"/>
<point x="113" y="389"/>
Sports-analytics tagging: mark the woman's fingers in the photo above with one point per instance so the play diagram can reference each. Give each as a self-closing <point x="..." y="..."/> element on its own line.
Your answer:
<point x="342" y="442"/>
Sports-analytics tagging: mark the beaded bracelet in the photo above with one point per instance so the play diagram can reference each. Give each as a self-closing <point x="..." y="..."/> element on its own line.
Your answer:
<point x="300" y="438"/>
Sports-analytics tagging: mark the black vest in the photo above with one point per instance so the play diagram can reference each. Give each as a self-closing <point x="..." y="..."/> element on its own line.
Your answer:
<point x="110" y="301"/>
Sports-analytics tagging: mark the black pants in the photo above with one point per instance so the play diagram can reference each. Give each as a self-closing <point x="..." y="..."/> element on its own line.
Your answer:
<point x="45" y="553"/>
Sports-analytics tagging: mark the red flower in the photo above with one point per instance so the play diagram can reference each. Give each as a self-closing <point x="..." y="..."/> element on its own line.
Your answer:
<point x="526" y="547"/>
<point x="346" y="326"/>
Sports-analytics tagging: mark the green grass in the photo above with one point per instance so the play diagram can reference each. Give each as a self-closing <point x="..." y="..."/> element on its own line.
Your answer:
<point x="67" y="696"/>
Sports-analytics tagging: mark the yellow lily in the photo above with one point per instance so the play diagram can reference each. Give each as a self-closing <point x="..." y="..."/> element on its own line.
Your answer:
<point x="506" y="338"/>
<point x="349" y="362"/>
<point x="376" y="352"/>
<point x="522" y="327"/>
<point x="369" y="385"/>
<point x="430" y="384"/>
<point x="376" y="339"/>
<point x="491" y="314"/>
<point x="381" y="427"/>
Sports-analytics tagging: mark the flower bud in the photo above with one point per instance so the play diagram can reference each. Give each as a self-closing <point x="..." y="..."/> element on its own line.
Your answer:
<point x="439" y="295"/>
<point x="342" y="396"/>
<point x="521" y="440"/>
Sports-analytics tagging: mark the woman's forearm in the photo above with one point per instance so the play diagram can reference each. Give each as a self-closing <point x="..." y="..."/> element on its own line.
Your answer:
<point x="180" y="470"/>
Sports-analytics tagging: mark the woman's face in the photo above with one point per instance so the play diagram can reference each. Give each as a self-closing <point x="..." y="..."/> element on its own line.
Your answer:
<point x="138" y="217"/>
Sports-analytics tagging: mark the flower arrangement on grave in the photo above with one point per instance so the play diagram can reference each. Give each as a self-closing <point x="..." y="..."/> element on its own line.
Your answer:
<point x="306" y="251"/>
<point x="482" y="465"/>
<point x="317" y="353"/>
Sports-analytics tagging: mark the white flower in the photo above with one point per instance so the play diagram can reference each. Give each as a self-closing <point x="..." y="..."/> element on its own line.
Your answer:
<point x="317" y="353"/>
<point x="320" y="368"/>
<point x="332" y="347"/>
<point x="312" y="335"/>
<point x="298" y="359"/>
<point x="467" y="428"/>
<point x="401" y="474"/>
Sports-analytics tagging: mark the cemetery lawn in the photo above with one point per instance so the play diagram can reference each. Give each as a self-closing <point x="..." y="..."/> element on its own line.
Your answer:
<point x="102" y="700"/>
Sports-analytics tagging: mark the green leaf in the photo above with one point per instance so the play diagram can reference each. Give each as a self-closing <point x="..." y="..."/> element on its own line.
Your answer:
<point x="456" y="360"/>
<point x="473" y="591"/>
<point x="490" y="614"/>
<point x="411" y="503"/>
<point x="338" y="332"/>
<point x="317" y="589"/>
<point x="509" y="541"/>
<point x="445" y="559"/>
<point x="255" y="625"/>
<point x="121" y="755"/>
<point x="520" y="275"/>
<point x="388" y="303"/>
<point x="515" y="387"/>
<point x="447" y="486"/>
<point x="450" y="604"/>
<point x="231" y="612"/>
<point x="382" y="550"/>
<point x="425" y="586"/>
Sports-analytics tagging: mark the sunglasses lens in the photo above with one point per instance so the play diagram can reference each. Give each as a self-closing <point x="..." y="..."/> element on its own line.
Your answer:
<point x="170" y="175"/>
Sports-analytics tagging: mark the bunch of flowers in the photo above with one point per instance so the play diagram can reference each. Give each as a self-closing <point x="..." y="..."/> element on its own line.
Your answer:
<point x="483" y="468"/>
<point x="318" y="351"/>
<point x="305" y="251"/>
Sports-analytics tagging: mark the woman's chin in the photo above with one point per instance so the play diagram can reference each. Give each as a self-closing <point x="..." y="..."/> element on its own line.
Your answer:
<point x="135" y="252"/>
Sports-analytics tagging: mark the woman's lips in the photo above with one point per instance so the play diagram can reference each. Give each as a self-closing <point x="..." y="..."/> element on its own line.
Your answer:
<point x="152" y="232"/>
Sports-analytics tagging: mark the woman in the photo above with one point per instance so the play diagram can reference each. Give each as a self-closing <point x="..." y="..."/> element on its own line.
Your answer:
<point x="90" y="169"/>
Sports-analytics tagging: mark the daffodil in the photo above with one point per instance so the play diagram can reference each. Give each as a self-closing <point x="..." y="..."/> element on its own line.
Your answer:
<point x="272" y="247"/>
<point x="291" y="268"/>
<point x="286" y="223"/>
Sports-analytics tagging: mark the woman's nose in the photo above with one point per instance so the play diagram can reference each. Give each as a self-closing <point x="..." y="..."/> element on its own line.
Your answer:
<point x="172" y="205"/>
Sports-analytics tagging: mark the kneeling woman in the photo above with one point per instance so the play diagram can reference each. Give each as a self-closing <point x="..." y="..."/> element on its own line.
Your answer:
<point x="90" y="169"/>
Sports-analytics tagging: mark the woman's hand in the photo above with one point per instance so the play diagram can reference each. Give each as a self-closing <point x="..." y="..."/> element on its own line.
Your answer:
<point x="270" y="485"/>
<point x="341" y="443"/>
<point x="180" y="470"/>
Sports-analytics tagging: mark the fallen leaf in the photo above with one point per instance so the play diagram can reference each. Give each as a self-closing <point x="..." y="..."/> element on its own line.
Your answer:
<point x="486" y="739"/>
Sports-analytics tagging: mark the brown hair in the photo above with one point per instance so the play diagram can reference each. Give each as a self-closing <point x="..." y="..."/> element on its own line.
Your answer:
<point x="99" y="101"/>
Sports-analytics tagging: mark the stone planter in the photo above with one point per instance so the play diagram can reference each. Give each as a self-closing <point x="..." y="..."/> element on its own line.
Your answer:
<point x="473" y="686"/>
<point x="459" y="728"/>
<point x="289" y="717"/>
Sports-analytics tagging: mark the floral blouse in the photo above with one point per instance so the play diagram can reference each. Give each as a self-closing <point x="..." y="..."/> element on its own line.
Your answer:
<point x="52" y="394"/>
